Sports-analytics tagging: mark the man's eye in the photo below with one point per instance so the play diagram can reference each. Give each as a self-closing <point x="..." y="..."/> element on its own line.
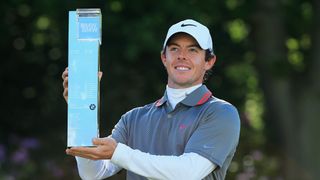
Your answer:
<point x="173" y="49"/>
<point x="193" y="49"/>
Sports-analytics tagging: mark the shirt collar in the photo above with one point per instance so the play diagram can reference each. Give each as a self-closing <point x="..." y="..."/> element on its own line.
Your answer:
<point x="197" y="97"/>
<point x="161" y="101"/>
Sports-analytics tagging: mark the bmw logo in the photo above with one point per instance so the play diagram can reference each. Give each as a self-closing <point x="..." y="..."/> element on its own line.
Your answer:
<point x="92" y="106"/>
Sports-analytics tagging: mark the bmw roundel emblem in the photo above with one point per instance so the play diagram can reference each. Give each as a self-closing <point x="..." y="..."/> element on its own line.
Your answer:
<point x="92" y="106"/>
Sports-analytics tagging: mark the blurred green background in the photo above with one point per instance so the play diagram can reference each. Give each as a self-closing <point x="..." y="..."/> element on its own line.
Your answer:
<point x="268" y="66"/>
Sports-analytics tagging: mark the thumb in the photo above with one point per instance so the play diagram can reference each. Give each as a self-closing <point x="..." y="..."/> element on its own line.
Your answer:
<point x="98" y="141"/>
<point x="100" y="75"/>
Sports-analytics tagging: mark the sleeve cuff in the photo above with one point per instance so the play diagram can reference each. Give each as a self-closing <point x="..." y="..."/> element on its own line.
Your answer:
<point x="120" y="154"/>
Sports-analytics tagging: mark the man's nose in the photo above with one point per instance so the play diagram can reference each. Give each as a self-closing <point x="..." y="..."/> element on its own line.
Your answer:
<point x="182" y="55"/>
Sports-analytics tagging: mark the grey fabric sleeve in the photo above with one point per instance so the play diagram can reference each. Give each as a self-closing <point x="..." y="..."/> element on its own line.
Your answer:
<point x="217" y="135"/>
<point x="119" y="132"/>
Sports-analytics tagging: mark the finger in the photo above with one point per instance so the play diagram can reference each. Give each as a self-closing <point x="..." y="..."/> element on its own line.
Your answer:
<point x="72" y="153"/>
<point x="65" y="73"/>
<point x="69" y="152"/>
<point x="100" y="75"/>
<point x="107" y="142"/>
<point x="80" y="154"/>
<point x="65" y="94"/>
<point x="98" y="141"/>
<point x="65" y="82"/>
<point x="83" y="150"/>
<point x="87" y="152"/>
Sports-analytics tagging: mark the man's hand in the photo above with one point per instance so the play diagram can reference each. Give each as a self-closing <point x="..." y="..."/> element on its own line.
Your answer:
<point x="65" y="82"/>
<point x="104" y="149"/>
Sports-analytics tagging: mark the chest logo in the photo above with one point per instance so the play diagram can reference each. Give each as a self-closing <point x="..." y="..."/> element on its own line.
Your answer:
<point x="182" y="126"/>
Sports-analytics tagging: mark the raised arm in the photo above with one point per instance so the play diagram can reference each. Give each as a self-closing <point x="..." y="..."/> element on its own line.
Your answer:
<point x="64" y="76"/>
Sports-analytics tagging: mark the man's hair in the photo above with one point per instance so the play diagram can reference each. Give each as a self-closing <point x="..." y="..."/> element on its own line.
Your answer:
<point x="209" y="55"/>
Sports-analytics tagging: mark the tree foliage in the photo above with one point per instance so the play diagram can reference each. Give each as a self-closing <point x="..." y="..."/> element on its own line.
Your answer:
<point x="267" y="66"/>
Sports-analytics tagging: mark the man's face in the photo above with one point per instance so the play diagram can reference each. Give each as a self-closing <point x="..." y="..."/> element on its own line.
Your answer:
<point x="185" y="61"/>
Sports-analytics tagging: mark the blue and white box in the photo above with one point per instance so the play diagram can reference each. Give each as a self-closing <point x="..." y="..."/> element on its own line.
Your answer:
<point x="83" y="80"/>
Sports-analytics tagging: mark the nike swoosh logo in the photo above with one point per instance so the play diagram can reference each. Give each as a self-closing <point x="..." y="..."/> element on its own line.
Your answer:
<point x="184" y="25"/>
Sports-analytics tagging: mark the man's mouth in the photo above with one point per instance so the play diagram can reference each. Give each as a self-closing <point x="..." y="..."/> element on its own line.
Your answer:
<point x="182" y="68"/>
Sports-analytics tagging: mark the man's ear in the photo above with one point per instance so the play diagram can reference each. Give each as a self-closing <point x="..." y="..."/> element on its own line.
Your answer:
<point x="210" y="63"/>
<point x="163" y="58"/>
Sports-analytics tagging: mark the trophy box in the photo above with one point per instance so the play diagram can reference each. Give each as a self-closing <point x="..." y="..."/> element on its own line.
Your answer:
<point x="83" y="82"/>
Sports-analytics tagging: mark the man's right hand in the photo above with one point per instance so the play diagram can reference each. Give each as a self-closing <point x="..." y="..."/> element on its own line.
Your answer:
<point x="65" y="82"/>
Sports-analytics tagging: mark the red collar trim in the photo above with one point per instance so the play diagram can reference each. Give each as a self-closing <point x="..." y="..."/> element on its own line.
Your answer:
<point x="159" y="102"/>
<point x="204" y="98"/>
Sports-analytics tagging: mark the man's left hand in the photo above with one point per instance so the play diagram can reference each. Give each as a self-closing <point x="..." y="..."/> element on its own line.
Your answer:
<point x="104" y="149"/>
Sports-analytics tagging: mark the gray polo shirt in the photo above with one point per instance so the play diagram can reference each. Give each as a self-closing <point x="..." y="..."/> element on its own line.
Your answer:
<point x="200" y="123"/>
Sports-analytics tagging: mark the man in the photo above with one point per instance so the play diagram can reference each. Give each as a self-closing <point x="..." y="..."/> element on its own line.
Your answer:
<point x="187" y="134"/>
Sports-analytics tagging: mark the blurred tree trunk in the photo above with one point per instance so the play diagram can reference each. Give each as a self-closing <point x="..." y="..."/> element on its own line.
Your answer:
<point x="292" y="103"/>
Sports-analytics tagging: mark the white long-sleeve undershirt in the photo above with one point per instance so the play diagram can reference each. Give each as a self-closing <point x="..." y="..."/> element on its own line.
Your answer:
<point x="100" y="169"/>
<point x="188" y="166"/>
